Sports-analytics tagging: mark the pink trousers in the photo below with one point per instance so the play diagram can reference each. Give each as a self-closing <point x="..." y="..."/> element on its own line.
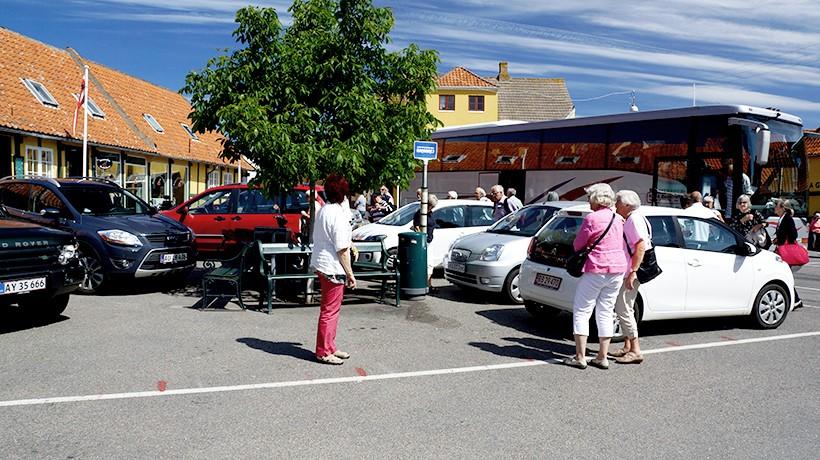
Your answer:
<point x="332" y="294"/>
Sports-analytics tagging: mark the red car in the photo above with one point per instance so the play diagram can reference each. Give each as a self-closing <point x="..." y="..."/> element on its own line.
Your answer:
<point x="221" y="217"/>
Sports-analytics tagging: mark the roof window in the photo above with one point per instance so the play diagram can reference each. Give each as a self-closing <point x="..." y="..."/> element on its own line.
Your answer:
<point x="153" y="122"/>
<point x="190" y="131"/>
<point x="40" y="92"/>
<point x="93" y="108"/>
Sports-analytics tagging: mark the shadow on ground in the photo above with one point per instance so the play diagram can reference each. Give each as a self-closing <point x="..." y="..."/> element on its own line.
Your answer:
<point x="14" y="319"/>
<point x="292" y="349"/>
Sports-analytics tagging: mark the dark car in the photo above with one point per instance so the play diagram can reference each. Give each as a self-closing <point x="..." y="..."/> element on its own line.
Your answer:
<point x="119" y="235"/>
<point x="39" y="268"/>
<point x="222" y="217"/>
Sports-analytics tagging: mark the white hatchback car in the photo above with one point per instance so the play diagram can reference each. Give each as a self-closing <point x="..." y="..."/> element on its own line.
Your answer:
<point x="708" y="270"/>
<point x="454" y="219"/>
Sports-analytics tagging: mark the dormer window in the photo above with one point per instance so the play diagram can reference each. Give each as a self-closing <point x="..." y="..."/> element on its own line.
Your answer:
<point x="190" y="132"/>
<point x="40" y="92"/>
<point x="153" y="122"/>
<point x="506" y="159"/>
<point x="567" y="160"/>
<point x="453" y="158"/>
<point x="93" y="108"/>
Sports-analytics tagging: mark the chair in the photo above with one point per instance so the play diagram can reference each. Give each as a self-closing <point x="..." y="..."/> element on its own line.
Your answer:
<point x="230" y="272"/>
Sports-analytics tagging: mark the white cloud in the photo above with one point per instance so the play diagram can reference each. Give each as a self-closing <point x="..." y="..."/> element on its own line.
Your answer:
<point x="717" y="94"/>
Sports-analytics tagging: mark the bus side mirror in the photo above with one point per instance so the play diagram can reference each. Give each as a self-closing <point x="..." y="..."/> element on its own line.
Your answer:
<point x="760" y="142"/>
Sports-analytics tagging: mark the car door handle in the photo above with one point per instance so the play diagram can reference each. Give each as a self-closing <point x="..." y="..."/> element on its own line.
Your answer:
<point x="693" y="263"/>
<point x="219" y="218"/>
<point x="236" y="218"/>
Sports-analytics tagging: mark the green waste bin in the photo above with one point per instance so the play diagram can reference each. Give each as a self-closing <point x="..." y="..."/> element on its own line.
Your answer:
<point x="412" y="259"/>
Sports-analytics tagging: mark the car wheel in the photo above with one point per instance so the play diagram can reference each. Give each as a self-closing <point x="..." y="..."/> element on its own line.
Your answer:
<point x="512" y="286"/>
<point x="94" y="273"/>
<point x="539" y="311"/>
<point x="771" y="306"/>
<point x="45" y="308"/>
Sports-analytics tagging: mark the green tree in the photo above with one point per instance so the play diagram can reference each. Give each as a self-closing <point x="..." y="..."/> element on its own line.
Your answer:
<point x="320" y="96"/>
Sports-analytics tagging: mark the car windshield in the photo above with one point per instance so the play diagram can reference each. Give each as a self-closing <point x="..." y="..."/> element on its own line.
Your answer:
<point x="524" y="222"/>
<point x="104" y="201"/>
<point x="401" y="216"/>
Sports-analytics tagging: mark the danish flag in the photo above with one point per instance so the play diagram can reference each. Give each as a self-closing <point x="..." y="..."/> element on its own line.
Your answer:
<point x="80" y="103"/>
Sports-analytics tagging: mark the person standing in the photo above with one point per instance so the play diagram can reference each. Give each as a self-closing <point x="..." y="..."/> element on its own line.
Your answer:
<point x="638" y="240"/>
<point x="500" y="206"/>
<point x="513" y="202"/>
<point x="814" y="232"/>
<point x="709" y="203"/>
<point x="386" y="196"/>
<point x="480" y="194"/>
<point x="696" y="208"/>
<point x="452" y="195"/>
<point x="331" y="260"/>
<point x="786" y="233"/>
<point x="602" y="276"/>
<point x="747" y="221"/>
<point x="432" y="201"/>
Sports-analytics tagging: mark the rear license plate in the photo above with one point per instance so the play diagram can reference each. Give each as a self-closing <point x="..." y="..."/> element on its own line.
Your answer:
<point x="456" y="267"/>
<point x="172" y="258"/>
<point x="547" y="281"/>
<point x="11" y="287"/>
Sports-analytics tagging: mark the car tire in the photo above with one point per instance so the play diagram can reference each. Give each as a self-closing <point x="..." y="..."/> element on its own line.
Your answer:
<point x="512" y="286"/>
<point x="539" y="311"/>
<point x="45" y="308"/>
<point x="771" y="306"/>
<point x="94" y="276"/>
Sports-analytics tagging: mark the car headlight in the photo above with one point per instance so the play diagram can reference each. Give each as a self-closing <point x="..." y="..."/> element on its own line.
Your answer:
<point x="492" y="253"/>
<point x="67" y="253"/>
<point x="120" y="237"/>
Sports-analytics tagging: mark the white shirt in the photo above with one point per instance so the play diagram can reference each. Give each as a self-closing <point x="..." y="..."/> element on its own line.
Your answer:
<point x="699" y="210"/>
<point x="331" y="234"/>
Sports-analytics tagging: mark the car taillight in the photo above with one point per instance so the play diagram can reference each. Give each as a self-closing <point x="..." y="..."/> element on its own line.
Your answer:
<point x="531" y="248"/>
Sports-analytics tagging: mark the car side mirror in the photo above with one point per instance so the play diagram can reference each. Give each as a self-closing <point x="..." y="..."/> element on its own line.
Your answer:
<point x="51" y="213"/>
<point x="183" y="210"/>
<point x="747" y="249"/>
<point x="152" y="210"/>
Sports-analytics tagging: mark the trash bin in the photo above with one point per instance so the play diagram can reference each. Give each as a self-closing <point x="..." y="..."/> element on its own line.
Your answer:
<point x="412" y="258"/>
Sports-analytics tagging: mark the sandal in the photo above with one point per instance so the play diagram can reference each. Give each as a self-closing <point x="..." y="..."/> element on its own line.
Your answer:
<point x="600" y="363"/>
<point x="630" y="358"/>
<point x="341" y="354"/>
<point x="617" y="353"/>
<point x="573" y="362"/>
<point x="330" y="359"/>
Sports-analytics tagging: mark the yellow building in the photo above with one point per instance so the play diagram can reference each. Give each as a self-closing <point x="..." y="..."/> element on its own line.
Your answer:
<point x="811" y="141"/>
<point x="139" y="134"/>
<point x="463" y="98"/>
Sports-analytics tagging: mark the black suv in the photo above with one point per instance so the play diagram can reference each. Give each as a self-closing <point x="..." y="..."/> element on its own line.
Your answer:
<point x="118" y="233"/>
<point x="39" y="267"/>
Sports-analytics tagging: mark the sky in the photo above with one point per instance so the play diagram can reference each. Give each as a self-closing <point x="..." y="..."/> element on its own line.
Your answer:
<point x="669" y="53"/>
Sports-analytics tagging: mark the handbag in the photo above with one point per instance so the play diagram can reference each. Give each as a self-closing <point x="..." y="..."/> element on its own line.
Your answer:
<point x="649" y="268"/>
<point x="760" y="238"/>
<point x="793" y="254"/>
<point x="576" y="261"/>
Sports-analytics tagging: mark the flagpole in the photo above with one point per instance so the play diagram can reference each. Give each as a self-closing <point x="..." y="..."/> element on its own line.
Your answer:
<point x="85" y="122"/>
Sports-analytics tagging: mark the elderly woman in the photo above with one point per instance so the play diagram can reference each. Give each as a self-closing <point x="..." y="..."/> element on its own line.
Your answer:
<point x="638" y="240"/>
<point x="602" y="276"/>
<point x="786" y="233"/>
<point x="331" y="261"/>
<point x="747" y="221"/>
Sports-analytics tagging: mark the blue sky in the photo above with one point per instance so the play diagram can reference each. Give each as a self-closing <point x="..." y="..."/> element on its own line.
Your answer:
<point x="735" y="51"/>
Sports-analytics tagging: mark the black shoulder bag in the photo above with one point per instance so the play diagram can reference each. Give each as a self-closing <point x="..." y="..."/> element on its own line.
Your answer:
<point x="576" y="262"/>
<point x="649" y="268"/>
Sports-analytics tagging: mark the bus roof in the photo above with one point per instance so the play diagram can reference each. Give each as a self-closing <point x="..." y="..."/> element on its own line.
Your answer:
<point x="699" y="111"/>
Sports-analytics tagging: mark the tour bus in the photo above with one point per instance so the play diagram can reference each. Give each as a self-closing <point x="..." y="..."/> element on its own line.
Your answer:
<point x="721" y="151"/>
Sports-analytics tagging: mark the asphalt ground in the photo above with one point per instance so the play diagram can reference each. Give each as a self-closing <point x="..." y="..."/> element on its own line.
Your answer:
<point x="140" y="373"/>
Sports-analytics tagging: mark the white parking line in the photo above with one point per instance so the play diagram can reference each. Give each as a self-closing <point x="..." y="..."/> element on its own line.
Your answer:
<point x="810" y="289"/>
<point x="357" y="379"/>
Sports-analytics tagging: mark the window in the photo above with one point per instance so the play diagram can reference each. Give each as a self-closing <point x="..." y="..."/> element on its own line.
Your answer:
<point x="297" y="200"/>
<point x="476" y="103"/>
<point x="42" y="198"/>
<point x="40" y="92"/>
<point x="106" y="200"/>
<point x="107" y="165"/>
<point x="179" y="182"/>
<point x="213" y="178"/>
<point x="190" y="132"/>
<point x="15" y="196"/>
<point x="135" y="178"/>
<point x="216" y="202"/>
<point x="253" y="201"/>
<point x="39" y="161"/>
<point x="663" y="232"/>
<point x="480" y="216"/>
<point x="449" y="217"/>
<point x="153" y="122"/>
<point x="93" y="108"/>
<point x="227" y="177"/>
<point x="706" y="236"/>
<point x="447" y="102"/>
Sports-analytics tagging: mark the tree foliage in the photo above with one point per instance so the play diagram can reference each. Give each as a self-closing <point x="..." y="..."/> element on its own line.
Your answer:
<point x="323" y="95"/>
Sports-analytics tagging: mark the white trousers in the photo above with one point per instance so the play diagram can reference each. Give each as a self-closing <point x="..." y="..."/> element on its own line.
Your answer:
<point x="596" y="291"/>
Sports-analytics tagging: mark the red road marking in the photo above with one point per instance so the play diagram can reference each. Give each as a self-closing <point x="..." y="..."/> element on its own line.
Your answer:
<point x="726" y="337"/>
<point x="361" y="371"/>
<point x="672" y="343"/>
<point x="162" y="385"/>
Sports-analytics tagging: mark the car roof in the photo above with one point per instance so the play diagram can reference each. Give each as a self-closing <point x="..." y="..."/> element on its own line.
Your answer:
<point x="646" y="210"/>
<point x="556" y="204"/>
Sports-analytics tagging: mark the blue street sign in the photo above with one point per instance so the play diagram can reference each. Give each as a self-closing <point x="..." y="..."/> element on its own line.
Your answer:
<point x="424" y="150"/>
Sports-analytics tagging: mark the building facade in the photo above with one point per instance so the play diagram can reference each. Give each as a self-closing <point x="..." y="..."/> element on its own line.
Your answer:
<point x="139" y="134"/>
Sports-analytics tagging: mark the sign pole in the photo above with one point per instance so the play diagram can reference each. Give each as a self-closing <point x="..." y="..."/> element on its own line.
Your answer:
<point x="424" y="151"/>
<point x="424" y="199"/>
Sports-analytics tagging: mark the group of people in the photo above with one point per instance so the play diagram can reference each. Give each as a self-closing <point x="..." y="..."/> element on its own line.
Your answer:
<point x="503" y="202"/>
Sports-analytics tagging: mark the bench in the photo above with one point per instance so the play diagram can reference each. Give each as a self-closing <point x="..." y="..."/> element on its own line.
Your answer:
<point x="271" y="256"/>
<point x="230" y="272"/>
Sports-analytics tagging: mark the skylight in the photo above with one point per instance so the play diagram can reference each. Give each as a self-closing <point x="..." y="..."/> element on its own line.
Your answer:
<point x="153" y="122"/>
<point x="40" y="92"/>
<point x="93" y="108"/>
<point x="189" y="131"/>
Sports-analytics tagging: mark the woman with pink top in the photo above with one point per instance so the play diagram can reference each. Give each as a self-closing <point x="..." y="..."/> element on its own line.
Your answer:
<point x="603" y="275"/>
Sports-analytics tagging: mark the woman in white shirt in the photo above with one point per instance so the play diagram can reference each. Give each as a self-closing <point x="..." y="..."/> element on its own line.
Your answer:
<point x="331" y="259"/>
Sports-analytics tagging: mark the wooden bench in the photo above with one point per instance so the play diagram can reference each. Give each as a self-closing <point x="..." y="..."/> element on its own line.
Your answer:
<point x="271" y="256"/>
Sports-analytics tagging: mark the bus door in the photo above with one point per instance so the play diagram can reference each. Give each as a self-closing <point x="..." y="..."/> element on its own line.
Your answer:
<point x="669" y="182"/>
<point x="675" y="177"/>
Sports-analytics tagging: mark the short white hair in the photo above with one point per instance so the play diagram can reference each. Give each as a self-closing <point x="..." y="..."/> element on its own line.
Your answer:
<point x="601" y="194"/>
<point x="452" y="194"/>
<point x="629" y="198"/>
<point x="496" y="188"/>
<point x="432" y="201"/>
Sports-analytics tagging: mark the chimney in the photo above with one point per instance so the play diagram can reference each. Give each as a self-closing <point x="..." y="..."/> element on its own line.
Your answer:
<point x="503" y="74"/>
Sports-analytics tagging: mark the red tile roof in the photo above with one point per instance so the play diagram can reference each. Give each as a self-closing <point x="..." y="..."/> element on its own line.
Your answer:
<point x="461" y="77"/>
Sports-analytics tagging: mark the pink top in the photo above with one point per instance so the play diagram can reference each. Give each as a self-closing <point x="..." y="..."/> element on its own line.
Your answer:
<point x="609" y="256"/>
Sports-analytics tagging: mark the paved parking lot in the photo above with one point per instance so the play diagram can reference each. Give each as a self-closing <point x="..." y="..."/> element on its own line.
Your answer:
<point x="454" y="376"/>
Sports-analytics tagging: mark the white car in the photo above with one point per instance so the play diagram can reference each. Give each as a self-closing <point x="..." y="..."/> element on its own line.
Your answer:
<point x="454" y="219"/>
<point x="708" y="270"/>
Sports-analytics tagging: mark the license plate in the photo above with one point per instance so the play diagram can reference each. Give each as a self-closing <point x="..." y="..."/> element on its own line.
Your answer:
<point x="11" y="287"/>
<point x="172" y="258"/>
<point x="457" y="267"/>
<point x="547" y="281"/>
